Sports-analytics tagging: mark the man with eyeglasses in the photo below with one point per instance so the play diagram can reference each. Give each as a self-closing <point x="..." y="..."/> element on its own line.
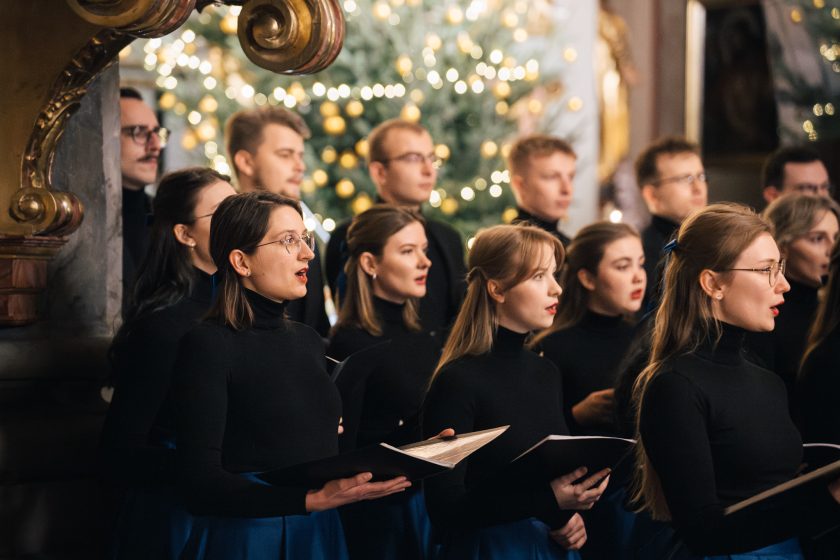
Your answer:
<point x="141" y="140"/>
<point x="542" y="174"/>
<point x="673" y="183"/>
<point x="403" y="166"/>
<point x="795" y="169"/>
<point x="266" y="147"/>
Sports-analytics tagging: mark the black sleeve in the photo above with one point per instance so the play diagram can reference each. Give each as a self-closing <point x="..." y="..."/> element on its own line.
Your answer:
<point x="673" y="428"/>
<point x="144" y="361"/>
<point x="333" y="261"/>
<point x="451" y="505"/>
<point x="201" y="389"/>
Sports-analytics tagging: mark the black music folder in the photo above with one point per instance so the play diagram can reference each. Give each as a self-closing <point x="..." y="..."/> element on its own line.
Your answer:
<point x="415" y="461"/>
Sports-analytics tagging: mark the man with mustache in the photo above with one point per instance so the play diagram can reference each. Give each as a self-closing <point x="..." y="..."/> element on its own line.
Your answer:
<point x="141" y="140"/>
<point x="265" y="147"/>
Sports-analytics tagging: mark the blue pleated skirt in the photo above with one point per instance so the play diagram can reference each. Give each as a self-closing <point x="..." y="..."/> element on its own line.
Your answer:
<point x="317" y="536"/>
<point x="395" y="527"/>
<point x="609" y="528"/>
<point x="527" y="539"/>
<point x="153" y="523"/>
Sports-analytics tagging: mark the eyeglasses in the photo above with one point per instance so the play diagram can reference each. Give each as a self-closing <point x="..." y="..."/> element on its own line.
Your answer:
<point x="773" y="271"/>
<point x="686" y="180"/>
<point x="142" y="134"/>
<point x="823" y="189"/>
<point x="292" y="240"/>
<point x="415" y="158"/>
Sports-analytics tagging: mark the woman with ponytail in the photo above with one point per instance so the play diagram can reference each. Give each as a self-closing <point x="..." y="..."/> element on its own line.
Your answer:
<point x="486" y="378"/>
<point x="386" y="275"/>
<point x="253" y="395"/>
<point x="714" y="429"/>
<point x="173" y="290"/>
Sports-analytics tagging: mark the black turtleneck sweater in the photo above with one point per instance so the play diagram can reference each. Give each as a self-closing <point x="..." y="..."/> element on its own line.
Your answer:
<point x="508" y="385"/>
<point x="781" y="349"/>
<point x="588" y="355"/>
<point x="446" y="282"/>
<point x="251" y="400"/>
<point x="654" y="237"/>
<point x="139" y="430"/>
<point x="717" y="431"/>
<point x="523" y="216"/>
<point x="395" y="388"/>
<point x="136" y="207"/>
<point x="818" y="392"/>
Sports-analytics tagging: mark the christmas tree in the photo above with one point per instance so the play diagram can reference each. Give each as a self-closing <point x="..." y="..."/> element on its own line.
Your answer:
<point x="455" y="70"/>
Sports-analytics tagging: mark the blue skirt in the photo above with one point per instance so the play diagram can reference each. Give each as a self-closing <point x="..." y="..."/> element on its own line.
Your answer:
<point x="395" y="527"/>
<point x="153" y="523"/>
<point x="609" y="528"/>
<point x="521" y="540"/>
<point x="785" y="550"/>
<point x="317" y="536"/>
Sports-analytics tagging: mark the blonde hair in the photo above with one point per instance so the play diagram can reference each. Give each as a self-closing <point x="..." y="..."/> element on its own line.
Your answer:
<point x="585" y="252"/>
<point x="793" y="215"/>
<point x="828" y="313"/>
<point x="710" y="239"/>
<point x="368" y="233"/>
<point x="508" y="255"/>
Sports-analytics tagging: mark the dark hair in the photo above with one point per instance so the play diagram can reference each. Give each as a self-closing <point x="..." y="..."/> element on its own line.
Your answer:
<point x="827" y="317"/>
<point x="130" y="93"/>
<point x="647" y="170"/>
<point x="166" y="273"/>
<point x="240" y="222"/>
<point x="244" y="129"/>
<point x="584" y="253"/>
<point x="773" y="172"/>
<point x="377" y="139"/>
<point x="369" y="233"/>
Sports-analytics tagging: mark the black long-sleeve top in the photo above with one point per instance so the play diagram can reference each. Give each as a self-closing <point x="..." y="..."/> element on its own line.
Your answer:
<point x="588" y="355"/>
<point x="818" y="392"/>
<point x="139" y="431"/>
<point x="717" y="431"/>
<point x="781" y="349"/>
<point x="136" y="207"/>
<point x="248" y="401"/>
<point x="396" y="386"/>
<point x="508" y="385"/>
<point x="446" y="282"/>
<point x="523" y="216"/>
<point x="654" y="237"/>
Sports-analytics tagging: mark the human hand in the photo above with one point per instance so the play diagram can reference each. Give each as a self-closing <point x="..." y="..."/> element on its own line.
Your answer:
<point x="572" y="536"/>
<point x="343" y="491"/>
<point x="582" y="495"/>
<point x="597" y="409"/>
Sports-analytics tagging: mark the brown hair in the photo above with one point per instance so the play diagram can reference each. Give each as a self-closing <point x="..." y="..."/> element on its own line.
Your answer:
<point x="647" y="170"/>
<point x="710" y="239"/>
<point x="368" y="233"/>
<point x="240" y="222"/>
<point x="378" y="137"/>
<point x="828" y="313"/>
<point x="507" y="254"/>
<point x="794" y="214"/>
<point x="584" y="253"/>
<point x="535" y="145"/>
<point x="243" y="130"/>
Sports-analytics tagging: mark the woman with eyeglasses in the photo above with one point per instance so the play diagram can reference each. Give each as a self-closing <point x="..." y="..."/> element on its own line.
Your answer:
<point x="714" y="428"/>
<point x="603" y="283"/>
<point x="172" y="292"/>
<point x="486" y="378"/>
<point x="386" y="274"/>
<point x="805" y="228"/>
<point x="253" y="395"/>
